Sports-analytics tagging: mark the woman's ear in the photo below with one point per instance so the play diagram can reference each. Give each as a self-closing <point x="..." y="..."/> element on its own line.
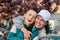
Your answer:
<point x="45" y="23"/>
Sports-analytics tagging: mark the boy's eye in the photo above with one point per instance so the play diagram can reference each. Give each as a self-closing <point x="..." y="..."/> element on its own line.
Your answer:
<point x="29" y="14"/>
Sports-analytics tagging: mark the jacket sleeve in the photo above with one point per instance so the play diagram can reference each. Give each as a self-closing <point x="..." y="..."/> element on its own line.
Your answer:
<point x="43" y="35"/>
<point x="41" y="38"/>
<point x="45" y="38"/>
<point x="12" y="34"/>
<point x="18" y="21"/>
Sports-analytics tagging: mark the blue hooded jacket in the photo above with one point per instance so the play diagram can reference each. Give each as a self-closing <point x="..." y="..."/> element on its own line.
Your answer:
<point x="19" y="35"/>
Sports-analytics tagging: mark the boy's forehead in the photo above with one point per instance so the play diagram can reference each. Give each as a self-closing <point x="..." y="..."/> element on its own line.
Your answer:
<point x="31" y="12"/>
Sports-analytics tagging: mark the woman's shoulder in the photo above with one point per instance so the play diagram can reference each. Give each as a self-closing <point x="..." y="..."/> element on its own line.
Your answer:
<point x="42" y="32"/>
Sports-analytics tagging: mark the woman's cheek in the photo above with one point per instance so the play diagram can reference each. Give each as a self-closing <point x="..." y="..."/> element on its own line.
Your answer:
<point x="37" y="25"/>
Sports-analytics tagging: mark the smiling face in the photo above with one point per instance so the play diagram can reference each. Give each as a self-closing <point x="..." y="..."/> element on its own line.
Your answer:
<point x="30" y="17"/>
<point x="39" y="22"/>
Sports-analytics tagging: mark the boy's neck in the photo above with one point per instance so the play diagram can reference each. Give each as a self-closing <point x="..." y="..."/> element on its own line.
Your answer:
<point x="27" y="24"/>
<point x="28" y="27"/>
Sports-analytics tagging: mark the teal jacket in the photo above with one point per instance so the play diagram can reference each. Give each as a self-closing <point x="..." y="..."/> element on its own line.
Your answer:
<point x="19" y="35"/>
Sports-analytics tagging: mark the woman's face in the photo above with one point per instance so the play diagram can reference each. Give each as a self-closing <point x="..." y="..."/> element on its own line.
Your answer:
<point x="39" y="22"/>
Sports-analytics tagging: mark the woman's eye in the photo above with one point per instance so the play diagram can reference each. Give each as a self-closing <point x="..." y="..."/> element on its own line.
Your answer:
<point x="37" y="18"/>
<point x="29" y="14"/>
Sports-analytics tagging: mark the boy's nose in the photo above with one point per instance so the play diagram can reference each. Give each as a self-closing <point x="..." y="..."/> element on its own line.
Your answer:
<point x="30" y="17"/>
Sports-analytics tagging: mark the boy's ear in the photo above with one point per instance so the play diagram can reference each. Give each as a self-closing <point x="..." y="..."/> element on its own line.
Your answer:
<point x="24" y="15"/>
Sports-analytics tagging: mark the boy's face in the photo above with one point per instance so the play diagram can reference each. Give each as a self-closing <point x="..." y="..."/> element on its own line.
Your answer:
<point x="39" y="22"/>
<point x="30" y="17"/>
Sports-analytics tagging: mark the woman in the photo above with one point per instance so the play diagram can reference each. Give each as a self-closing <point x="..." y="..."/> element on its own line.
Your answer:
<point x="41" y="25"/>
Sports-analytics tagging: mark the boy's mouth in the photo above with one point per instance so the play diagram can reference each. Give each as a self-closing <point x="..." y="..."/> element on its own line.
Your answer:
<point x="29" y="20"/>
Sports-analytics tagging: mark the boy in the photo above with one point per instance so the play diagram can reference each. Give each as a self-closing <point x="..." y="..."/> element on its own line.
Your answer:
<point x="28" y="19"/>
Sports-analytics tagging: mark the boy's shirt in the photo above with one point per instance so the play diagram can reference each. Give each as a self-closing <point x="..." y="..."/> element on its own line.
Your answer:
<point x="29" y="28"/>
<point x="17" y="34"/>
